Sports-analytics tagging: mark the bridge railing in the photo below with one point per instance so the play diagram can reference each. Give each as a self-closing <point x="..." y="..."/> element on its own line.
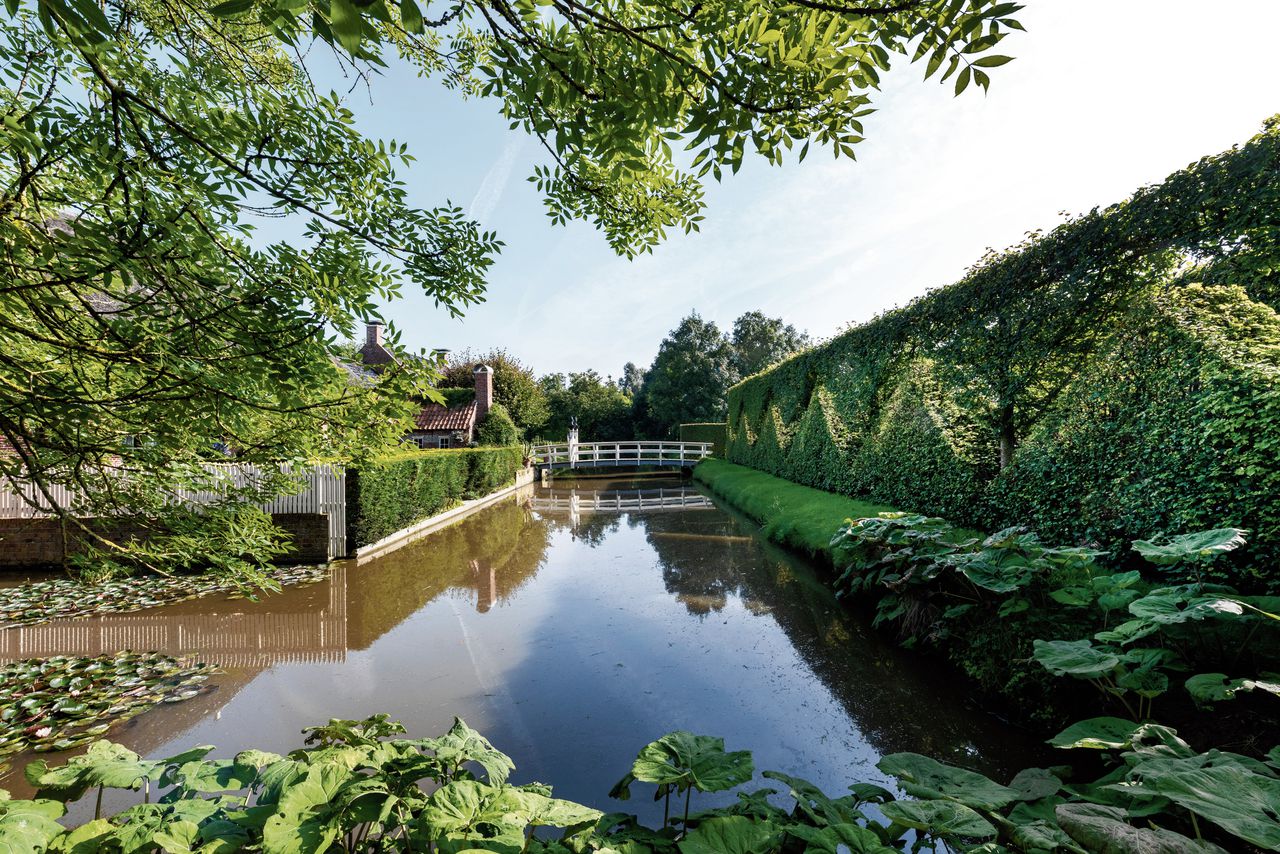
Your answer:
<point x="587" y="454"/>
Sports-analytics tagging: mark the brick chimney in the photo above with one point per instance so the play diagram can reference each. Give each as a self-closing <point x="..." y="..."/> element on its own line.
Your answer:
<point x="373" y="333"/>
<point x="484" y="391"/>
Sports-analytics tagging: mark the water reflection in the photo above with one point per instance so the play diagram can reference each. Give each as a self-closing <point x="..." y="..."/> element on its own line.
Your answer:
<point x="572" y="625"/>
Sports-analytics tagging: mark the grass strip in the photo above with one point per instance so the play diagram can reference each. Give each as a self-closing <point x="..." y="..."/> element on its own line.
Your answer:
<point x="793" y="516"/>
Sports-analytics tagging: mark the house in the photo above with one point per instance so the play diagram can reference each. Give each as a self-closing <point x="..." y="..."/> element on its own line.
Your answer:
<point x="449" y="425"/>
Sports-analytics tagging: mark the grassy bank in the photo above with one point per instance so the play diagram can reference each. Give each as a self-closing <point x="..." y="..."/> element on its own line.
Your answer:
<point x="794" y="516"/>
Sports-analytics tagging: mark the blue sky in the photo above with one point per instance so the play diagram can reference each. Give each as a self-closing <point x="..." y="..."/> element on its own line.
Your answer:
<point x="1104" y="96"/>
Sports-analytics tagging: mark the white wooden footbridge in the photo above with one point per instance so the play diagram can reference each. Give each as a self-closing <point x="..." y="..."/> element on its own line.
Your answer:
<point x="599" y="455"/>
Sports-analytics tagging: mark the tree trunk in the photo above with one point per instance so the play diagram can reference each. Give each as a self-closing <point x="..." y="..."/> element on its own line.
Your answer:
<point x="1008" y="436"/>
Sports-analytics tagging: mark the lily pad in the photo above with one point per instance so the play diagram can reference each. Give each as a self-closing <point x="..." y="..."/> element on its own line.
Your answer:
<point x="37" y="714"/>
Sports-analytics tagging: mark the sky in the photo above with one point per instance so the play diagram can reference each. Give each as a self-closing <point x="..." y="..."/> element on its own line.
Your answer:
<point x="1104" y="96"/>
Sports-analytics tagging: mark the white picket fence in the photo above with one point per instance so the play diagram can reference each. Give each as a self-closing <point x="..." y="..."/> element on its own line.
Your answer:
<point x="323" y="490"/>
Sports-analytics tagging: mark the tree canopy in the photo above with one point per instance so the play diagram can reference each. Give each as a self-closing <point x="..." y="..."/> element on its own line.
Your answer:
<point x="760" y="341"/>
<point x="514" y="385"/>
<point x="141" y="140"/>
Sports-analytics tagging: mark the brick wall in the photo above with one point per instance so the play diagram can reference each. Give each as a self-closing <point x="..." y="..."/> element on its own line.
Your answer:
<point x="32" y="543"/>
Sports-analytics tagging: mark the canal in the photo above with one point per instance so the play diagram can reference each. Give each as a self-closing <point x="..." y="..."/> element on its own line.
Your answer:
<point x="571" y="625"/>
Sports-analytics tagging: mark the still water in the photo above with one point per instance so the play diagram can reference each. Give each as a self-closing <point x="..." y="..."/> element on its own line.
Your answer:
<point x="571" y="625"/>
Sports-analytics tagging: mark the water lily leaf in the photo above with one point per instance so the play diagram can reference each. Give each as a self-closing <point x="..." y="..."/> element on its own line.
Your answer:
<point x="1103" y="830"/>
<point x="927" y="778"/>
<point x="1103" y="733"/>
<point x="1201" y="545"/>
<point x="940" y="818"/>
<point x="1075" y="658"/>
<point x="1240" y="802"/>
<point x="682" y="759"/>
<point x="734" y="834"/>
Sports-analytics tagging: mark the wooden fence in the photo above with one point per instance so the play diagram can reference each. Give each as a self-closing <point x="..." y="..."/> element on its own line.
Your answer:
<point x="322" y="489"/>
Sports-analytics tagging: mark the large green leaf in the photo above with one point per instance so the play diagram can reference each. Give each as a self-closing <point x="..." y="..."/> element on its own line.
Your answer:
<point x="461" y="744"/>
<point x="1103" y="830"/>
<point x="303" y="822"/>
<point x="27" y="826"/>
<point x="682" y="759"/>
<point x="1104" y="733"/>
<point x="940" y="818"/>
<point x="1242" y="803"/>
<point x="1171" y="605"/>
<point x="1208" y="688"/>
<point x="838" y="838"/>
<point x="927" y="778"/>
<point x="1075" y="658"/>
<point x="1201" y="545"/>
<point x="734" y="834"/>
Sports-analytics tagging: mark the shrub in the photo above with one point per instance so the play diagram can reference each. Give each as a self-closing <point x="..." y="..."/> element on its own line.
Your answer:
<point x="498" y="429"/>
<point x="715" y="432"/>
<point x="396" y="491"/>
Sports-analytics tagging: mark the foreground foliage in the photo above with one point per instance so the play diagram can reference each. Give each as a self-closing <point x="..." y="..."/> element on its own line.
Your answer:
<point x="64" y="702"/>
<point x="359" y="787"/>
<point x="66" y="598"/>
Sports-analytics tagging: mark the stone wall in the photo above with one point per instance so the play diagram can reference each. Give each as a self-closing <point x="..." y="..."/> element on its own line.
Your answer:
<point x="37" y="543"/>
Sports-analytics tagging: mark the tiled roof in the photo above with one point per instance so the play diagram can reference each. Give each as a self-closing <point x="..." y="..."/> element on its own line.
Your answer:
<point x="436" y="417"/>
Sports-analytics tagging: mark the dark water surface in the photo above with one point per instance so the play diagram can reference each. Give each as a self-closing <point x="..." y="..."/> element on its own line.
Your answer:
<point x="571" y="626"/>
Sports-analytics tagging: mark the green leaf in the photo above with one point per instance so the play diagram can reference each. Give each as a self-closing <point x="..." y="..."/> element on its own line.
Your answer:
<point x="1103" y="828"/>
<point x="939" y="818"/>
<point x="346" y="23"/>
<point x="683" y="759"/>
<point x="411" y="17"/>
<point x="1103" y="733"/>
<point x="1075" y="658"/>
<point x="1199" y="546"/>
<point x="922" y="777"/>
<point x="733" y="834"/>
<point x="1240" y="802"/>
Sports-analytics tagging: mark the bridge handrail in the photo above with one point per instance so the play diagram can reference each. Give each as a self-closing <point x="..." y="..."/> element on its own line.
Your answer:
<point x="639" y="451"/>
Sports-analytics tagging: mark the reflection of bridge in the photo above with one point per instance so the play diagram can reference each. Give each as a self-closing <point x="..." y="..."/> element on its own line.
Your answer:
<point x="594" y="455"/>
<point x="617" y="501"/>
<point x="231" y="633"/>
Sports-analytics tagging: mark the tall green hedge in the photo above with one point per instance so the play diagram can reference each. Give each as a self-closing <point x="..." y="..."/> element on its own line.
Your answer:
<point x="396" y="491"/>
<point x="715" y="432"/>
<point x="1076" y="384"/>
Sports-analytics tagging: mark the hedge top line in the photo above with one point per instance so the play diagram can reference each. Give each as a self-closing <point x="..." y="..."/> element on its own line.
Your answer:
<point x="1214" y="201"/>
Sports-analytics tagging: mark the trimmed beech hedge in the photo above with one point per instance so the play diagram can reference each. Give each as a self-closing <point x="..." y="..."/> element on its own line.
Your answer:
<point x="1075" y="385"/>
<point x="715" y="432"/>
<point x="398" y="490"/>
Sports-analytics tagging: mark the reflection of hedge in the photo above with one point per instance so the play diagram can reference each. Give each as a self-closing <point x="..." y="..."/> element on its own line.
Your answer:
<point x="714" y="432"/>
<point x="399" y="490"/>
<point x="1124" y="406"/>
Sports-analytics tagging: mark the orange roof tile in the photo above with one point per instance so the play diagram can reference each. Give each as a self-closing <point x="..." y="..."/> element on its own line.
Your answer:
<point x="436" y="417"/>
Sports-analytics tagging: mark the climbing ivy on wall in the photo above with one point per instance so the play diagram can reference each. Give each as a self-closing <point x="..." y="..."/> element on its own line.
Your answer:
<point x="1076" y="383"/>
